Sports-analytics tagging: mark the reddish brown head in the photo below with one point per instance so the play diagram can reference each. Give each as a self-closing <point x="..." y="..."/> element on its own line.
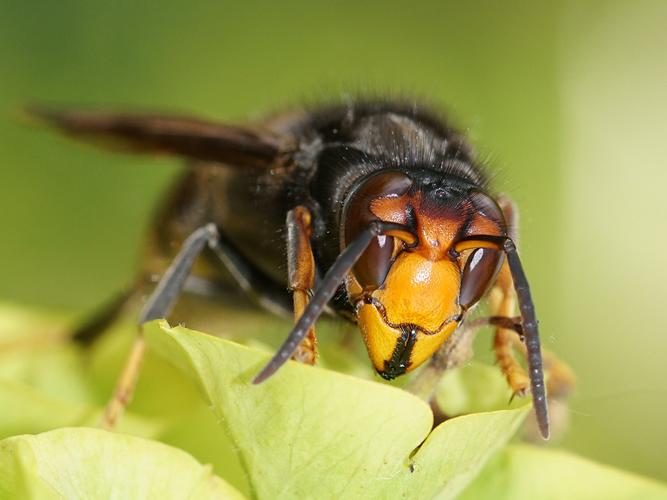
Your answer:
<point x="411" y="294"/>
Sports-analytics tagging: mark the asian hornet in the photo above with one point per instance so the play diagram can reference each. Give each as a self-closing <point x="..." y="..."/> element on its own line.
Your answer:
<point x="380" y="210"/>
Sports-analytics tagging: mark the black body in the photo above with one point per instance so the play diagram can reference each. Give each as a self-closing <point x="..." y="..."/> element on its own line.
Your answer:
<point x="334" y="149"/>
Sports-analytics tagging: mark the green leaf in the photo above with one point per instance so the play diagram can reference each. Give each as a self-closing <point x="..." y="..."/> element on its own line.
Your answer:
<point x="91" y="463"/>
<point x="26" y="410"/>
<point x="43" y="379"/>
<point x="308" y="432"/>
<point x="34" y="351"/>
<point x="199" y="434"/>
<point x="527" y="472"/>
<point x="47" y="383"/>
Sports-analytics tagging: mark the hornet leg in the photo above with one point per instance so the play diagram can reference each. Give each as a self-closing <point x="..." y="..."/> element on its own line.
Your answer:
<point x="159" y="305"/>
<point x="560" y="378"/>
<point x="502" y="302"/>
<point x="170" y="287"/>
<point x="301" y="276"/>
<point x="456" y="351"/>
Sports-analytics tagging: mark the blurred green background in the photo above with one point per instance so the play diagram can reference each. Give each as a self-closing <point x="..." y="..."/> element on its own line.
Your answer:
<point x="566" y="100"/>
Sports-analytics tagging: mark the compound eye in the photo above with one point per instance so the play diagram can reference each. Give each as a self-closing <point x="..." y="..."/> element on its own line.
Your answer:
<point x="480" y="271"/>
<point x="373" y="266"/>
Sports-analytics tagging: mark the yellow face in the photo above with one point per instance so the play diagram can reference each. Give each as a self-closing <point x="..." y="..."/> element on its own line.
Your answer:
<point x="407" y="320"/>
<point x="407" y="317"/>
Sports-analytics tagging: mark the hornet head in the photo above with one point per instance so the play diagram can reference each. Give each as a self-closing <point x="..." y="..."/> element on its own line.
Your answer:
<point x="410" y="292"/>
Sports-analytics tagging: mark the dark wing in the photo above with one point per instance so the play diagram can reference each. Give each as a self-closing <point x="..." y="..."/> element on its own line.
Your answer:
<point x="170" y="135"/>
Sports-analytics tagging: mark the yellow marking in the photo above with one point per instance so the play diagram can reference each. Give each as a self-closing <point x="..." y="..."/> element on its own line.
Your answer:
<point x="471" y="244"/>
<point x="420" y="292"/>
<point x="381" y="339"/>
<point x="427" y="345"/>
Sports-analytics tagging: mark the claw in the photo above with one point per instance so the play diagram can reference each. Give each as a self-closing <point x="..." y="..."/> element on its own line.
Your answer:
<point x="519" y="383"/>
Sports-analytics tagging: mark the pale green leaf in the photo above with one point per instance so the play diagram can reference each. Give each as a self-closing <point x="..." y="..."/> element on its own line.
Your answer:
<point x="199" y="434"/>
<point x="309" y="432"/>
<point x="526" y="472"/>
<point x="34" y="351"/>
<point x="26" y="410"/>
<point x="81" y="463"/>
<point x="47" y="383"/>
<point x="43" y="378"/>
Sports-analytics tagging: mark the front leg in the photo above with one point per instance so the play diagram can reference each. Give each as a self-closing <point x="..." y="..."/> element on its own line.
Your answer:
<point x="301" y="275"/>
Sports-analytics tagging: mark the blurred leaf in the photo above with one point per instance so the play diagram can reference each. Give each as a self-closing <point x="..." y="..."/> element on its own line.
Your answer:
<point x="18" y="323"/>
<point x="90" y="463"/>
<point x="34" y="350"/>
<point x="44" y="382"/>
<point x="57" y="370"/>
<point x="527" y="472"/>
<point x="106" y="359"/>
<point x="312" y="432"/>
<point x="26" y="410"/>
<point x="474" y="388"/>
